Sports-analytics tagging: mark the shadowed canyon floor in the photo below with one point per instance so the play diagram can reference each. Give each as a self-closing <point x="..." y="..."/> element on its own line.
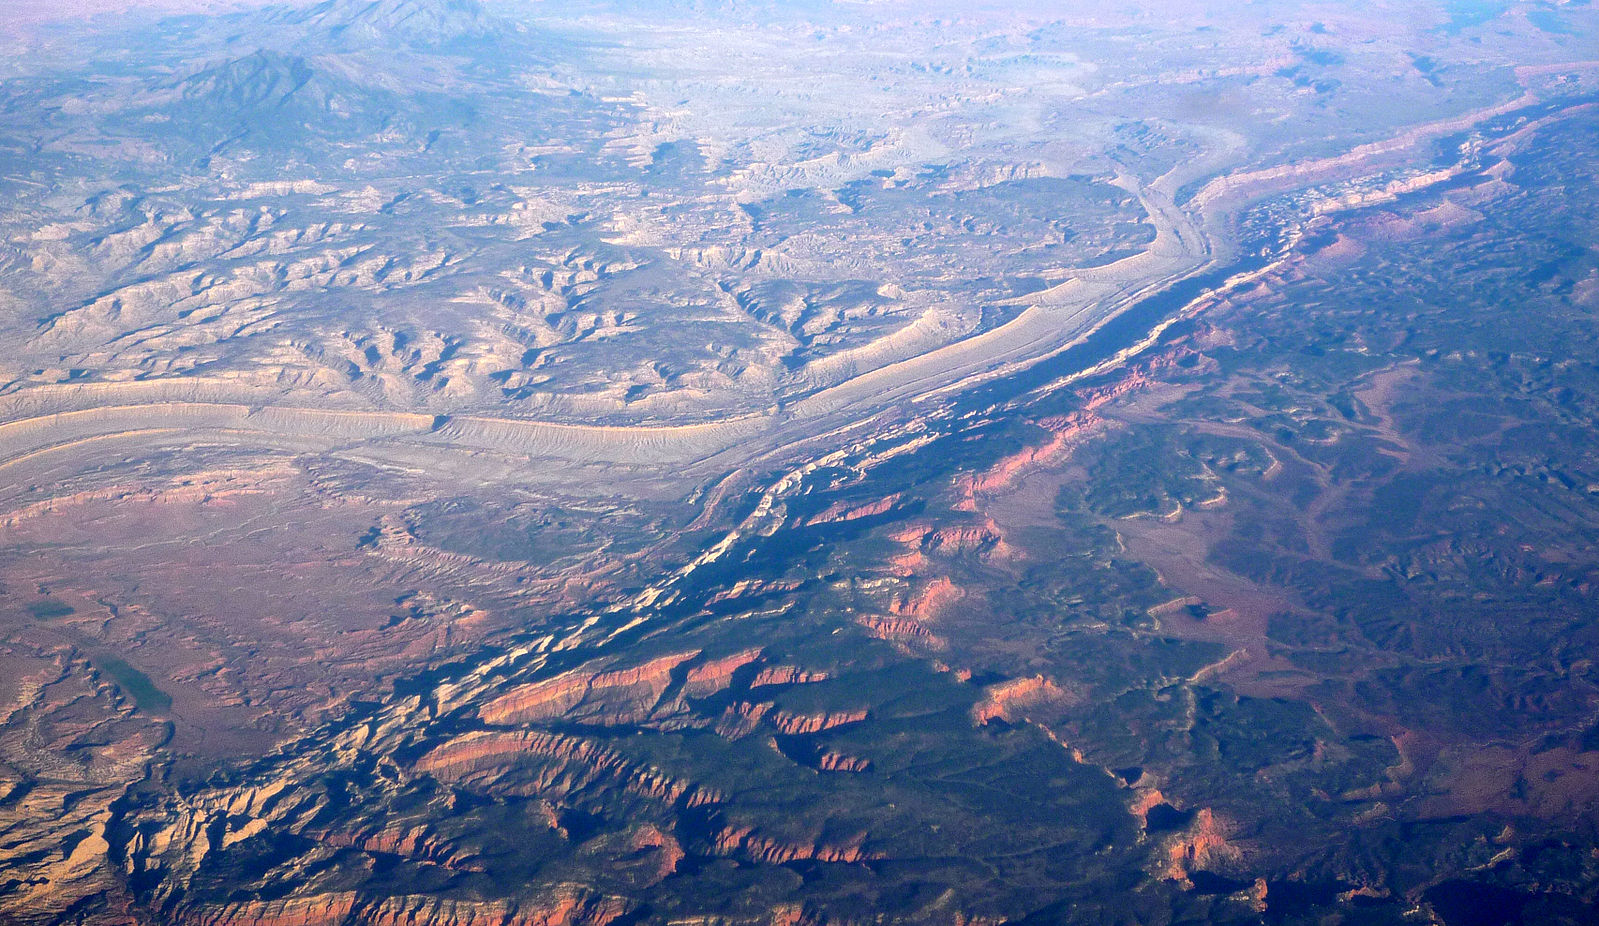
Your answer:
<point x="663" y="463"/>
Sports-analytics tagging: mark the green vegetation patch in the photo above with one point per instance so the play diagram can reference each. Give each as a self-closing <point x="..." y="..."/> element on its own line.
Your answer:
<point x="135" y="684"/>
<point x="49" y="609"/>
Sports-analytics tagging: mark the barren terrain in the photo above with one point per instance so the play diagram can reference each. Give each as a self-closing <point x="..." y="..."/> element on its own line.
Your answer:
<point x="468" y="464"/>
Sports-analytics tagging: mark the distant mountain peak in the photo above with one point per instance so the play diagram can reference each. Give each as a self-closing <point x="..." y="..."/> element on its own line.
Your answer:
<point x="260" y="78"/>
<point x="401" y="23"/>
<point x="277" y="99"/>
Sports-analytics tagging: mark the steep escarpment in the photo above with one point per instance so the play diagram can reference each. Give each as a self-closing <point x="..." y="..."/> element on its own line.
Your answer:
<point x="618" y="696"/>
<point x="558" y="905"/>
<point x="543" y="763"/>
<point x="1018" y="700"/>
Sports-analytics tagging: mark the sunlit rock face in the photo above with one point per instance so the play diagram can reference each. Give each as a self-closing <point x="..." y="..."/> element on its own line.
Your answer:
<point x="606" y="462"/>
